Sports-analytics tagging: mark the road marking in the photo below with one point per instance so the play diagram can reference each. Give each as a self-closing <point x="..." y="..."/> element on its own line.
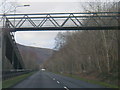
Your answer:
<point x="53" y="78"/>
<point x="66" y="88"/>
<point x="58" y="82"/>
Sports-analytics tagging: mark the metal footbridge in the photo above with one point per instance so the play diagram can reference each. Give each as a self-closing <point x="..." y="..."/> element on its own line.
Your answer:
<point x="62" y="21"/>
<point x="49" y="22"/>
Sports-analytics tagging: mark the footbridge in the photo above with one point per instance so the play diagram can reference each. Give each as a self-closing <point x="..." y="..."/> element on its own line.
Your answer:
<point x="63" y="21"/>
<point x="49" y="22"/>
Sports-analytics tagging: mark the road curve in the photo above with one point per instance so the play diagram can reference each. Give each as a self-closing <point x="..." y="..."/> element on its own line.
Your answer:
<point x="42" y="79"/>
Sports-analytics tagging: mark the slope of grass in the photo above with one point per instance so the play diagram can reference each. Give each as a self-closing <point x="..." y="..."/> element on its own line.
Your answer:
<point x="12" y="81"/>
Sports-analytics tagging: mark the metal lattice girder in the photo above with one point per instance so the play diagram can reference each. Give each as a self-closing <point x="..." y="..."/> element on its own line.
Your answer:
<point x="63" y="21"/>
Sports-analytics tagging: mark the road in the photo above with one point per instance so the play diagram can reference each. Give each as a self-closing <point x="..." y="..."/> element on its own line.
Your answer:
<point x="42" y="79"/>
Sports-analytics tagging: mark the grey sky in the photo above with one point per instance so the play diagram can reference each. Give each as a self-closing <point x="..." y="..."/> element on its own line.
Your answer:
<point x="43" y="39"/>
<point x="51" y="7"/>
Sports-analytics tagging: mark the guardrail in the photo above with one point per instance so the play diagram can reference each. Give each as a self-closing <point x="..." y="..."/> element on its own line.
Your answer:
<point x="10" y="74"/>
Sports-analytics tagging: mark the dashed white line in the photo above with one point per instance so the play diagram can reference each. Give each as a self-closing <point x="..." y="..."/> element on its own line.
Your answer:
<point x="58" y="82"/>
<point x="66" y="88"/>
<point x="53" y="78"/>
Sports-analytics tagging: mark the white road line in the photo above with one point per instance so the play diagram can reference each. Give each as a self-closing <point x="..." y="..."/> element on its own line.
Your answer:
<point x="53" y="78"/>
<point x="58" y="82"/>
<point x="66" y="88"/>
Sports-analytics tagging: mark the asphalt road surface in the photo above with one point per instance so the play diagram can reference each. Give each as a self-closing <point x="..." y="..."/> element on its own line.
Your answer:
<point x="44" y="79"/>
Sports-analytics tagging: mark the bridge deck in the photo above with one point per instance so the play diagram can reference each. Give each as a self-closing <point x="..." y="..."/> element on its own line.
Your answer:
<point x="66" y="28"/>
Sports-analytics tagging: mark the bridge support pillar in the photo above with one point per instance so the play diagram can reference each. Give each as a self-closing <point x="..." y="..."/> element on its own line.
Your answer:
<point x="10" y="59"/>
<point x="7" y="50"/>
<point x="9" y="54"/>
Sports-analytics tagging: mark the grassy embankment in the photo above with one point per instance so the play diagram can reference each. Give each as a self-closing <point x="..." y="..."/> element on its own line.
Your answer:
<point x="12" y="81"/>
<point x="104" y="84"/>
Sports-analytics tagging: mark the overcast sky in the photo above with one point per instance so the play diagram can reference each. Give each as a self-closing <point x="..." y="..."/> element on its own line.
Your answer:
<point x="41" y="38"/>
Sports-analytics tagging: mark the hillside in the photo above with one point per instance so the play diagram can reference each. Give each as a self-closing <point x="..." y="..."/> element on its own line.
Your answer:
<point x="33" y="56"/>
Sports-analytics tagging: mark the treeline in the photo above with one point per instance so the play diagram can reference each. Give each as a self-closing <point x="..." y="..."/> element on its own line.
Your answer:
<point x="88" y="51"/>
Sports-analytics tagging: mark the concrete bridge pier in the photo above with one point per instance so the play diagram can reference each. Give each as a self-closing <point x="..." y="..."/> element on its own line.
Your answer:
<point x="10" y="57"/>
<point x="6" y="49"/>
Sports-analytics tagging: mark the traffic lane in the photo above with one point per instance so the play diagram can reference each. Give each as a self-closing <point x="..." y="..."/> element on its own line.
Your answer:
<point x="65" y="82"/>
<point x="72" y="83"/>
<point x="38" y="80"/>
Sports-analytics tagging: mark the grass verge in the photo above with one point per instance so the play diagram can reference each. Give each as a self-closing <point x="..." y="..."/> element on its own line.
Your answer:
<point x="90" y="81"/>
<point x="12" y="81"/>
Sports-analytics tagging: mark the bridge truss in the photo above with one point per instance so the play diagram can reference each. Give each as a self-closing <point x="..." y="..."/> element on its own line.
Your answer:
<point x="62" y="21"/>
